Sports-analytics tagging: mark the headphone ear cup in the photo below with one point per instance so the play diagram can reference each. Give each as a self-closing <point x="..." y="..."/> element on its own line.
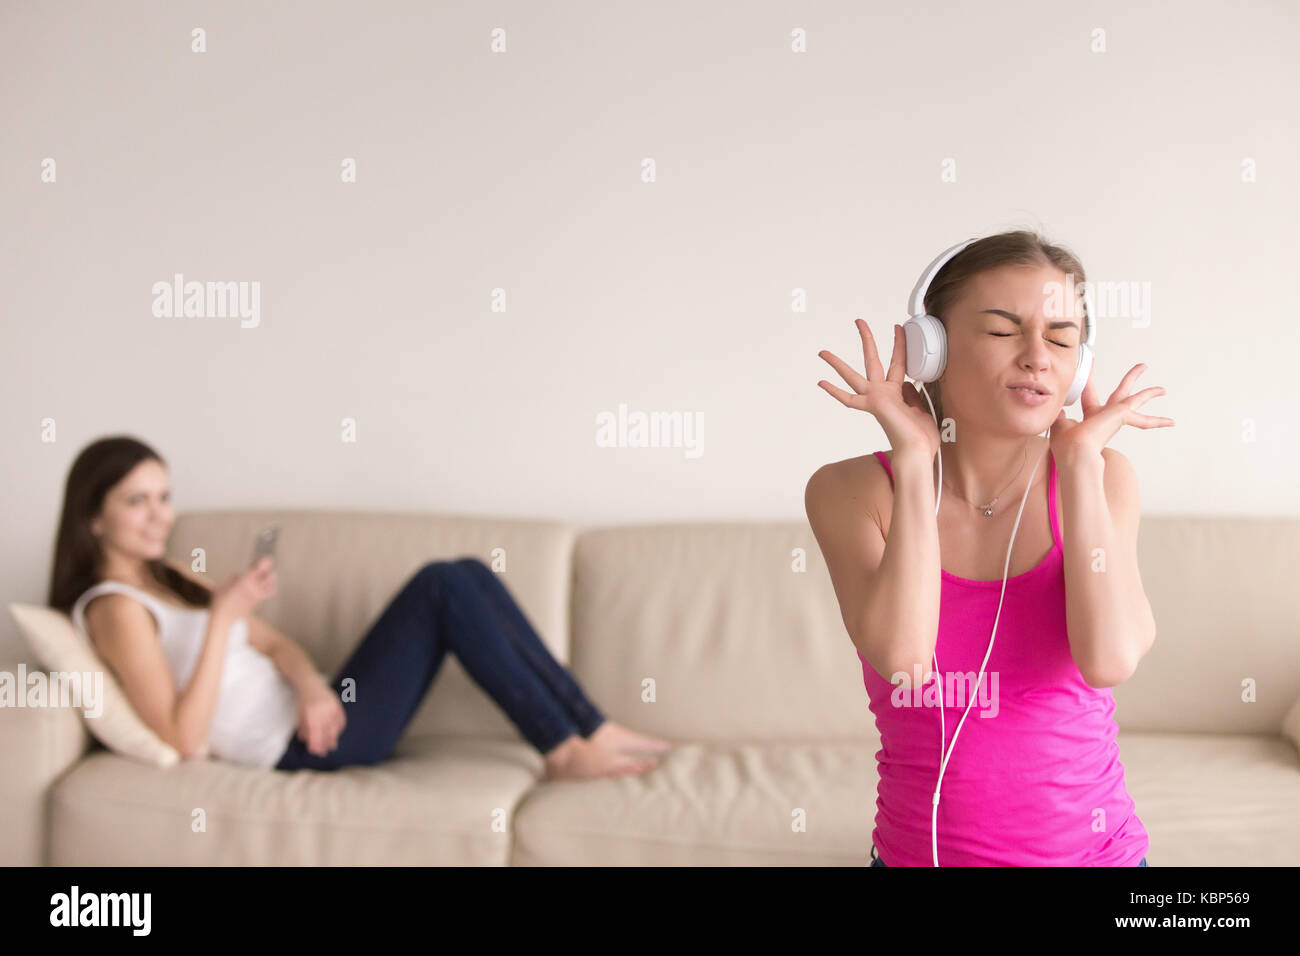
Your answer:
<point x="927" y="348"/>
<point x="1081" y="373"/>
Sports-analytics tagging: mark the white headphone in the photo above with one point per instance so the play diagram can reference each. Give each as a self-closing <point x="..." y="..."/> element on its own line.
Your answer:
<point x="927" y="356"/>
<point x="927" y="340"/>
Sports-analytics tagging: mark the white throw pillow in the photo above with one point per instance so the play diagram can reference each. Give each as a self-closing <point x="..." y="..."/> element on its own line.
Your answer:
<point x="56" y="643"/>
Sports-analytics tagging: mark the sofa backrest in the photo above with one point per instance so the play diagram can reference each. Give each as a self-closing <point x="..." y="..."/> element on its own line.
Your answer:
<point x="717" y="632"/>
<point x="730" y="631"/>
<point x="738" y="638"/>
<point x="1223" y="591"/>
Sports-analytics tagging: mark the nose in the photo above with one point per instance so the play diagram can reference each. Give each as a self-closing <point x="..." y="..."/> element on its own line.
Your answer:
<point x="1036" y="358"/>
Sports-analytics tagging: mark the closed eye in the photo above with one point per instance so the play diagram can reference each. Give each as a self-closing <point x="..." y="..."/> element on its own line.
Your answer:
<point x="1003" y="335"/>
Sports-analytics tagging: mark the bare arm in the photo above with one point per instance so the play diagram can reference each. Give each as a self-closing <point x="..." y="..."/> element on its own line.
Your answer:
<point x="1108" y="616"/>
<point x="320" y="714"/>
<point x="289" y="657"/>
<point x="1109" y="619"/>
<point x="126" y="636"/>
<point x="888" y="591"/>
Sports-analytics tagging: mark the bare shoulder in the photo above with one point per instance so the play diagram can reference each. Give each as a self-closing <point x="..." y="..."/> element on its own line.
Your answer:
<point x="854" y="485"/>
<point x="113" y="605"/>
<point x="111" y="616"/>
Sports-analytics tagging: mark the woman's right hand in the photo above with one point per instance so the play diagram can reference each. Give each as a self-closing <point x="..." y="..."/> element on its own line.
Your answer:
<point x="238" y="594"/>
<point x="895" y="403"/>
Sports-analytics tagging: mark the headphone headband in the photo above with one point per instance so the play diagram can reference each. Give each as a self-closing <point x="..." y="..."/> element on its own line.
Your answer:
<point x="916" y="304"/>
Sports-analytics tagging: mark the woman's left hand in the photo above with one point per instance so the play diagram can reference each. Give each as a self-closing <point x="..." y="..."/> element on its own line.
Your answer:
<point x="1070" y="439"/>
<point x="320" y="718"/>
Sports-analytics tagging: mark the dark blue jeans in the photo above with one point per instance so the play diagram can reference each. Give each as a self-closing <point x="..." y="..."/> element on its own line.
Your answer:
<point x="877" y="861"/>
<point x="462" y="606"/>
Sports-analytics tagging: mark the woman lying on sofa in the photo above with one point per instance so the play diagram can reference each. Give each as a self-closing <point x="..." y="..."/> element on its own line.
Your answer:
<point x="200" y="669"/>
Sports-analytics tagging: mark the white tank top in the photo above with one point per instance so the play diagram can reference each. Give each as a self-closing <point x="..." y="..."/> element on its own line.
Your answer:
<point x="257" y="711"/>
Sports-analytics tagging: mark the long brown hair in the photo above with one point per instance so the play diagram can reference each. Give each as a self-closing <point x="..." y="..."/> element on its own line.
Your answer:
<point x="77" y="552"/>
<point x="1007" y="248"/>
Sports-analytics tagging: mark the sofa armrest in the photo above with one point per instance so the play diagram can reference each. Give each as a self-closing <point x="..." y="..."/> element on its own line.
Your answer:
<point x="37" y="746"/>
<point x="1291" y="724"/>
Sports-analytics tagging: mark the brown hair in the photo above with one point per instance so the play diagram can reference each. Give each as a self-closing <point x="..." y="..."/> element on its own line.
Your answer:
<point x="1007" y="248"/>
<point x="77" y="552"/>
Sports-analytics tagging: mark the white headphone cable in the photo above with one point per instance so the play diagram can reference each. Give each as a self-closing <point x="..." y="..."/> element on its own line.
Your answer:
<point x="946" y="754"/>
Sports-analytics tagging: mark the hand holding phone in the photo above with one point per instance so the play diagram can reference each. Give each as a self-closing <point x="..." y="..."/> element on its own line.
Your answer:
<point x="238" y="595"/>
<point x="264" y="546"/>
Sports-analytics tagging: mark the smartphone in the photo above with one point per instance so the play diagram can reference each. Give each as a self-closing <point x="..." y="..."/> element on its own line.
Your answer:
<point x="265" y="543"/>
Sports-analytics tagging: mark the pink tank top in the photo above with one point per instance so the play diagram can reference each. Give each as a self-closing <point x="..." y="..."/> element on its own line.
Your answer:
<point x="1035" y="777"/>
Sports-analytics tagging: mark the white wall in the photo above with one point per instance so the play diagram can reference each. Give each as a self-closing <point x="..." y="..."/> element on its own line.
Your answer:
<point x="776" y="170"/>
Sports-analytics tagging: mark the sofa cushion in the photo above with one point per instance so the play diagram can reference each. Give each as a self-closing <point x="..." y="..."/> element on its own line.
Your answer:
<point x="760" y="804"/>
<point x="1204" y="799"/>
<point x="671" y="619"/>
<point x="435" y="801"/>
<point x="1225" y="659"/>
<point x="745" y="612"/>
<point x="59" y="647"/>
<point x="1215" y="799"/>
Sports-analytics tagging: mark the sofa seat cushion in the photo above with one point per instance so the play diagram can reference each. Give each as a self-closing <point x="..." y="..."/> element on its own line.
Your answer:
<point x="435" y="801"/>
<point x="1215" y="799"/>
<point x="1205" y="800"/>
<point x="715" y="804"/>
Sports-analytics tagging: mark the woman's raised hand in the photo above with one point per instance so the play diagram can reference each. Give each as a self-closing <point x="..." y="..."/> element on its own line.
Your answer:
<point x="1102" y="420"/>
<point x="895" y="403"/>
<point x="239" y="594"/>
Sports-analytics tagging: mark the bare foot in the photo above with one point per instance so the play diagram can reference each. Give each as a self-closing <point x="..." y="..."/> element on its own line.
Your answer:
<point x="617" y="737"/>
<point x="579" y="759"/>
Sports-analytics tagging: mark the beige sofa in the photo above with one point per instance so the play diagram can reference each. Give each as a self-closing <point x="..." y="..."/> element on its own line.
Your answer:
<point x="723" y="637"/>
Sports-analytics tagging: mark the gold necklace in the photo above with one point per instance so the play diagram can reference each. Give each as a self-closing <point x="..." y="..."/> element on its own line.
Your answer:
<point x="988" y="508"/>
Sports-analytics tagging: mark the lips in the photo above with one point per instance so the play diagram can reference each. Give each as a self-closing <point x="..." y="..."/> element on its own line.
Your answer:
<point x="1036" y="387"/>
<point x="1028" y="395"/>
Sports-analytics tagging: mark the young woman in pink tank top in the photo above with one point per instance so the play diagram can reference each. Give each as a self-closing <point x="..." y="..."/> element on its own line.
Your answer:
<point x="1024" y="742"/>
